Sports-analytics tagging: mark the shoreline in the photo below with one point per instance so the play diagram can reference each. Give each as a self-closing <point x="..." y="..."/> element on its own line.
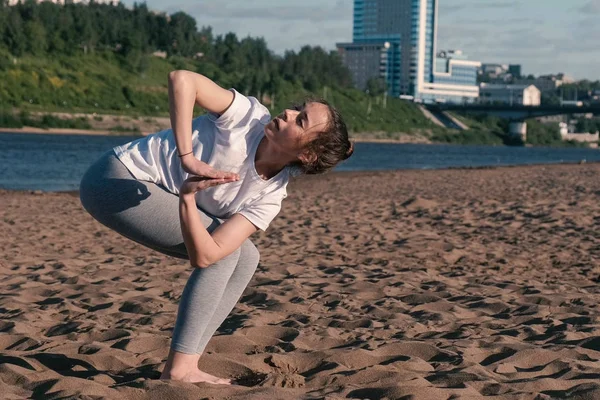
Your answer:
<point x="404" y="138"/>
<point x="391" y="141"/>
<point x="100" y="132"/>
<point x="361" y="174"/>
<point x="66" y="131"/>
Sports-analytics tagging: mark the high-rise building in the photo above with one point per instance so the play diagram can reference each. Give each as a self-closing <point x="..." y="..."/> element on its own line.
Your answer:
<point x="367" y="61"/>
<point x="404" y="32"/>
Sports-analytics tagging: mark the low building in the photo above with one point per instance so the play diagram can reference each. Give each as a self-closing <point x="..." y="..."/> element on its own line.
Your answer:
<point x="515" y="70"/>
<point x="525" y="95"/>
<point x="499" y="72"/>
<point x="567" y="133"/>
<point x="546" y="84"/>
<point x="454" y="80"/>
<point x="493" y="70"/>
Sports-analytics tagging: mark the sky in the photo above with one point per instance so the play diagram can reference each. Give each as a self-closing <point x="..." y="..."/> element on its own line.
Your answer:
<point x="544" y="36"/>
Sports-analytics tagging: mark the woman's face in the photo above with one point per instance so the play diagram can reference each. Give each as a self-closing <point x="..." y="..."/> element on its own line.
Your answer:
<point x="293" y="129"/>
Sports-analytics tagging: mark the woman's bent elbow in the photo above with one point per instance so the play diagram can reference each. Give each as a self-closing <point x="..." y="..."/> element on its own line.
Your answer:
<point x="206" y="259"/>
<point x="200" y="263"/>
<point x="202" y="260"/>
<point x="176" y="75"/>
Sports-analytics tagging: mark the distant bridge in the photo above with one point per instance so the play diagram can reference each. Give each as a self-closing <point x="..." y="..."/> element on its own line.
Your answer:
<point x="516" y="114"/>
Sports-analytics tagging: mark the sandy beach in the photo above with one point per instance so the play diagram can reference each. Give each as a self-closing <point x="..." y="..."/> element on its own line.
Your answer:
<point x="454" y="284"/>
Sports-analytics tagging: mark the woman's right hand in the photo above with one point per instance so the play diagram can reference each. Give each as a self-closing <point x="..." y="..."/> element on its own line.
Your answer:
<point x="193" y="166"/>
<point x="194" y="184"/>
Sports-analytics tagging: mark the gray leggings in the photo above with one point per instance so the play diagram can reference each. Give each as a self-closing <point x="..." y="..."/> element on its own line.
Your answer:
<point x="148" y="214"/>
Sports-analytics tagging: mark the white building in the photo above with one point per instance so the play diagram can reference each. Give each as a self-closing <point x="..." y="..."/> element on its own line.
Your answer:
<point x="525" y="95"/>
<point x="567" y="132"/>
<point x="454" y="79"/>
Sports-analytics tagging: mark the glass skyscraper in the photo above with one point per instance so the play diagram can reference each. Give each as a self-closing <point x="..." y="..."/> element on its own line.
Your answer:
<point x="405" y="33"/>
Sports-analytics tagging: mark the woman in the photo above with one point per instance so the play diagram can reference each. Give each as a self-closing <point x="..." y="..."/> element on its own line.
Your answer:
<point x="199" y="190"/>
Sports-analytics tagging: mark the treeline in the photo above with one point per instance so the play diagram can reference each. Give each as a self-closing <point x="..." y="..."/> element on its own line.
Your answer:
<point x="585" y="91"/>
<point x="98" y="58"/>
<point x="48" y="29"/>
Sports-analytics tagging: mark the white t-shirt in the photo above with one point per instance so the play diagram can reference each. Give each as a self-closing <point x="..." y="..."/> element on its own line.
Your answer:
<point x="227" y="143"/>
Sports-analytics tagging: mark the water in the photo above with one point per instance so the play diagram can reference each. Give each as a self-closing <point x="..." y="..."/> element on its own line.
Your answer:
<point x="57" y="162"/>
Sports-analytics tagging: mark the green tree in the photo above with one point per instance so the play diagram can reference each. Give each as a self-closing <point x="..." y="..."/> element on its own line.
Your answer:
<point x="182" y="35"/>
<point x="13" y="36"/>
<point x="35" y="36"/>
<point x="376" y="86"/>
<point x="550" y="99"/>
<point x="587" y="125"/>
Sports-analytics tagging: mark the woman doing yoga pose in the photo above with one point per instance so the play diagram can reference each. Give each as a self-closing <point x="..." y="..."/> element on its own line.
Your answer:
<point x="199" y="190"/>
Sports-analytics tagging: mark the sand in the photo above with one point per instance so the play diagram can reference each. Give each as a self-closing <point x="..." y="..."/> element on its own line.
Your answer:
<point x="456" y="284"/>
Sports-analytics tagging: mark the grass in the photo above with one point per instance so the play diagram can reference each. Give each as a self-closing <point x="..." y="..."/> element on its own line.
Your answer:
<point x="102" y="83"/>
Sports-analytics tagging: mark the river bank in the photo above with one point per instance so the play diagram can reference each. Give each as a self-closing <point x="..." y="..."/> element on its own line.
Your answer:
<point x="73" y="123"/>
<point x="361" y="138"/>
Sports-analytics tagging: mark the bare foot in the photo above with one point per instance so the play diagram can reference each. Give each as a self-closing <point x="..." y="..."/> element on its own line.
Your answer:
<point x="213" y="379"/>
<point x="196" y="377"/>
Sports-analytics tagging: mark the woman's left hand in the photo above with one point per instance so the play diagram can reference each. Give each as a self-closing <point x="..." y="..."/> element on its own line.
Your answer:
<point x="194" y="184"/>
